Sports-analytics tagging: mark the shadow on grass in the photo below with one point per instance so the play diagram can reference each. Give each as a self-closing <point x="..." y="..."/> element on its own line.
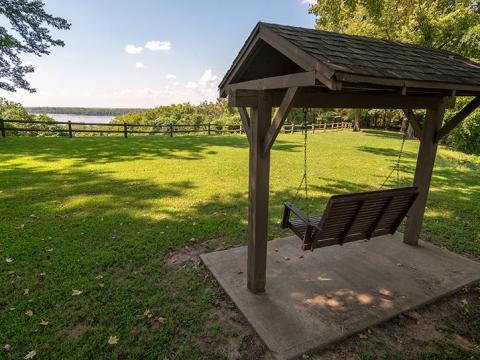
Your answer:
<point x="124" y="230"/>
<point x="114" y="149"/>
<point x="387" y="152"/>
<point x="384" y="134"/>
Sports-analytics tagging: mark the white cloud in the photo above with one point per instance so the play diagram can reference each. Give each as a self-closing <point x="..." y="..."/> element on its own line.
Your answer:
<point x="203" y="87"/>
<point x="140" y="65"/>
<point x="192" y="85"/>
<point x="157" y="45"/>
<point x="208" y="79"/>
<point x="171" y="76"/>
<point x="132" y="49"/>
<point x="310" y="2"/>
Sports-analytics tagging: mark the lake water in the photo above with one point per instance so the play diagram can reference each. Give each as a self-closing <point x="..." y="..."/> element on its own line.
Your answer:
<point x="82" y="118"/>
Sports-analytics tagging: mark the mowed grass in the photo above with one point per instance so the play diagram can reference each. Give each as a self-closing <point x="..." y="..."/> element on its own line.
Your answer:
<point x="88" y="227"/>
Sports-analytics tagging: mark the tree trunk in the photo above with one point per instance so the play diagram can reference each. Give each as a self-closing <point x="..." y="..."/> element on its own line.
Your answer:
<point x="356" y="124"/>
<point x="410" y="132"/>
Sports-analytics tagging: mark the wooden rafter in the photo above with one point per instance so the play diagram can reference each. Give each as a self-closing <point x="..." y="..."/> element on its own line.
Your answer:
<point x="277" y="82"/>
<point x="417" y="129"/>
<point x="457" y="119"/>
<point x="323" y="73"/>
<point x="279" y="118"/>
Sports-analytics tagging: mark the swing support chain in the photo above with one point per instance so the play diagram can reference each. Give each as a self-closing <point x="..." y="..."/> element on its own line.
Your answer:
<point x="396" y="168"/>
<point x="304" y="181"/>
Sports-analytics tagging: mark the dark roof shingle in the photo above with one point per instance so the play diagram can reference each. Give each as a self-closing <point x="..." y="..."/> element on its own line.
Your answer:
<point x="381" y="58"/>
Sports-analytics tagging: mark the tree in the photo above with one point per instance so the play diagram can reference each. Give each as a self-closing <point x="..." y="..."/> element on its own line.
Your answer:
<point x="443" y="24"/>
<point x="29" y="35"/>
<point x="452" y="25"/>
<point x="356" y="123"/>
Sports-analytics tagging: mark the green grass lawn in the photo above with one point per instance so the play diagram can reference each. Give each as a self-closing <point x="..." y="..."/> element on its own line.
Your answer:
<point x="89" y="228"/>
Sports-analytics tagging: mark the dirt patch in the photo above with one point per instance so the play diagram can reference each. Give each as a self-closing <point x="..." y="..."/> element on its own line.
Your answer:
<point x="74" y="332"/>
<point x="410" y="334"/>
<point x="241" y="342"/>
<point x="190" y="255"/>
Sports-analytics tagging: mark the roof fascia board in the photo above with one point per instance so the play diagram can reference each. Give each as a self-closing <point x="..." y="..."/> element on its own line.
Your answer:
<point x="351" y="78"/>
<point x="239" y="60"/>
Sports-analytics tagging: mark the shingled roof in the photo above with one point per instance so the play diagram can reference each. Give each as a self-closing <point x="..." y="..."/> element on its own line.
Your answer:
<point x="350" y="59"/>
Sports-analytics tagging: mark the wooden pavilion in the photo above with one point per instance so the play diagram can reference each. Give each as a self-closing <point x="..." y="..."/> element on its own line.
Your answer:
<point x="315" y="298"/>
<point x="286" y="67"/>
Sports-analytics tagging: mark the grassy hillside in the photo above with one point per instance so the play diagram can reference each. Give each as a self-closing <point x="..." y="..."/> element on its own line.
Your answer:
<point x="98" y="236"/>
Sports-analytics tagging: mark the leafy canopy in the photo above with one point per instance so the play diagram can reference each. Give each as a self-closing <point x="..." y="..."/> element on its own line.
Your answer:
<point x="444" y="24"/>
<point x="28" y="34"/>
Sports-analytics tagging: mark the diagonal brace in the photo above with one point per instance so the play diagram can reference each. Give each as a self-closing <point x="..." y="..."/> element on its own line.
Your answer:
<point x="457" y="119"/>
<point x="417" y="129"/>
<point x="279" y="118"/>
<point x="245" y="121"/>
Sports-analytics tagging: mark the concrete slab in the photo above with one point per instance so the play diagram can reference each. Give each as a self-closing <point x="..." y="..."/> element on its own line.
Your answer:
<point x="313" y="299"/>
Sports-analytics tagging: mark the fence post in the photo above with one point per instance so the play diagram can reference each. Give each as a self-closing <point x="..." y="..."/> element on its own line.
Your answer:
<point x="171" y="130"/>
<point x="324" y="127"/>
<point x="209" y="129"/>
<point x="313" y="128"/>
<point x="70" y="134"/>
<point x="125" y="130"/>
<point x="2" y="128"/>
<point x="293" y="128"/>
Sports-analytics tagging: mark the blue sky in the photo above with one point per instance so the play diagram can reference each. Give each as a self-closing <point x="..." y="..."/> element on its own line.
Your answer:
<point x="144" y="53"/>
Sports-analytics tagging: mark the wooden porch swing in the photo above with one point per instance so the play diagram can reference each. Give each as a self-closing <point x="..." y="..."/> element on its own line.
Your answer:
<point x="349" y="217"/>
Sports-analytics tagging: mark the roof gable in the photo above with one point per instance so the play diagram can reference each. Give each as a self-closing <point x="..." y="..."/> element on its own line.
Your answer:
<point x="346" y="58"/>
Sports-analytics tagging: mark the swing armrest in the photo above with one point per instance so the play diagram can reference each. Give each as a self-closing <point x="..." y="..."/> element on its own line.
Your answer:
<point x="296" y="211"/>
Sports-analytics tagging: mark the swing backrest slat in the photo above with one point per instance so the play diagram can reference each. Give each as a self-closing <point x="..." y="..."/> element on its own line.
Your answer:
<point x="364" y="215"/>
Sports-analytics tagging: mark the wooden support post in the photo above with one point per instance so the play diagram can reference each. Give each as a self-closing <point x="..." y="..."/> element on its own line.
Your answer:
<point x="2" y="128"/>
<point x="171" y="130"/>
<point x="125" y="130"/>
<point x="209" y="129"/>
<point x="70" y="133"/>
<point x="423" y="172"/>
<point x="259" y="171"/>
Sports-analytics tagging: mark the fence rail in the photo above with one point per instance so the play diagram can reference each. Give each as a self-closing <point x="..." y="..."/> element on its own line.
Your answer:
<point x="70" y="128"/>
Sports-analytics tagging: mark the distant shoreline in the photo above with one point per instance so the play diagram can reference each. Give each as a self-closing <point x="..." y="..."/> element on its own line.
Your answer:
<point x="103" y="119"/>
<point x="82" y="110"/>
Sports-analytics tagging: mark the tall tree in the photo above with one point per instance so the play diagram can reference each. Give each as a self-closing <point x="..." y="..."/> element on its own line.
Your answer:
<point x="444" y="24"/>
<point x="28" y="34"/>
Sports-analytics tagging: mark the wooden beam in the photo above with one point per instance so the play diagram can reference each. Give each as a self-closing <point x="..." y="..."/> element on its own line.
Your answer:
<point x="279" y="118"/>
<point x="423" y="173"/>
<point x="277" y="82"/>
<point x="417" y="128"/>
<point x="321" y="98"/>
<point x="246" y="122"/>
<point x="259" y="172"/>
<point x="458" y="118"/>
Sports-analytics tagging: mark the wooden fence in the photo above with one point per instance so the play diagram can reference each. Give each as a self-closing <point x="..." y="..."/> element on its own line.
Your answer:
<point x="68" y="128"/>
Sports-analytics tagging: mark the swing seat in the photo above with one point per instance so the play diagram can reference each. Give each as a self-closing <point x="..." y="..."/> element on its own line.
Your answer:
<point x="351" y="217"/>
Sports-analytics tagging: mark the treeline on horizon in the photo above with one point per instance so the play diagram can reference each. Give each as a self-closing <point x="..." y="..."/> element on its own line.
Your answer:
<point x="466" y="137"/>
<point x="90" y="111"/>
